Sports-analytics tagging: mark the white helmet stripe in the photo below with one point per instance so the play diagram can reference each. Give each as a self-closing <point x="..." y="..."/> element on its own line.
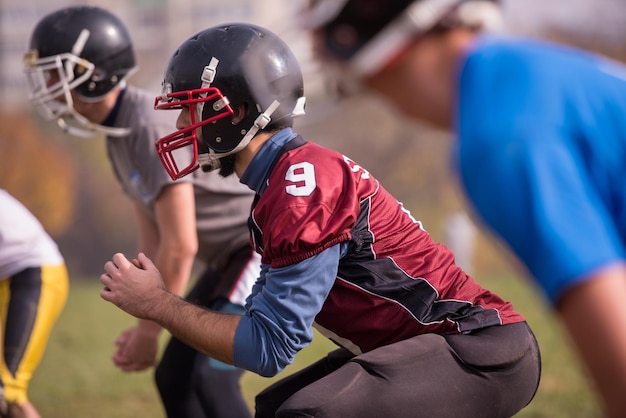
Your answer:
<point x="420" y="16"/>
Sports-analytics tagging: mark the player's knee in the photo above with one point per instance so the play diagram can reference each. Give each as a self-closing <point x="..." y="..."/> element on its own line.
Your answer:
<point x="212" y="373"/>
<point x="163" y="380"/>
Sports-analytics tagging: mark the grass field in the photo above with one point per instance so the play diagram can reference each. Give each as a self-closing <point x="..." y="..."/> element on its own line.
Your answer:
<point x="78" y="380"/>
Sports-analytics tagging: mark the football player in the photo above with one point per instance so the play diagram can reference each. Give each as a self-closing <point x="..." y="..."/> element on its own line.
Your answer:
<point x="540" y="146"/>
<point x="417" y="335"/>
<point x="79" y="61"/>
<point x="34" y="286"/>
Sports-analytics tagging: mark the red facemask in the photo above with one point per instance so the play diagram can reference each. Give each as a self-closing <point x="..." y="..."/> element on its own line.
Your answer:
<point x="179" y="163"/>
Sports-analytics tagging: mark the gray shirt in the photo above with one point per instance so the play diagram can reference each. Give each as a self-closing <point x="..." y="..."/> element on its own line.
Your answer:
<point x="222" y="204"/>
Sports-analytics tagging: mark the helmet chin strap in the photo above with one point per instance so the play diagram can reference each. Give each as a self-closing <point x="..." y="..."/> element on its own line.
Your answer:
<point x="210" y="161"/>
<point x="87" y="128"/>
<point x="259" y="123"/>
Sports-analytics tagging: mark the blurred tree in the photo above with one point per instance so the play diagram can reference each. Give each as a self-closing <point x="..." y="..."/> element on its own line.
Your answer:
<point x="37" y="172"/>
<point x="68" y="184"/>
<point x="102" y="222"/>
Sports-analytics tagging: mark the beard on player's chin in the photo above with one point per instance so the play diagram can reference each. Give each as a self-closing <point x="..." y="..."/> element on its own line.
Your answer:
<point x="227" y="165"/>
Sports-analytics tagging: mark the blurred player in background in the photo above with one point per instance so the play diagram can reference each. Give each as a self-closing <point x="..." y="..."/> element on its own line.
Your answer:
<point x="419" y="336"/>
<point x="540" y="146"/>
<point x="79" y="61"/>
<point x="33" y="290"/>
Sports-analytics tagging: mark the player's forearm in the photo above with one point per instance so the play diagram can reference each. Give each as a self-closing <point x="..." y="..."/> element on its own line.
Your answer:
<point x="209" y="332"/>
<point x="175" y="282"/>
<point x="175" y="271"/>
<point x="170" y="241"/>
<point x="592" y="312"/>
<point x="149" y="328"/>
<point x="174" y="258"/>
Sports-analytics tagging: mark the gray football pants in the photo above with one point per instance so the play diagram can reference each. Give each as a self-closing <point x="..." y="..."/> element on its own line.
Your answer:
<point x="492" y="372"/>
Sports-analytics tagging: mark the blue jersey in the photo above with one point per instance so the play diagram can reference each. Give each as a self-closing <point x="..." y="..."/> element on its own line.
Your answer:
<point x="541" y="153"/>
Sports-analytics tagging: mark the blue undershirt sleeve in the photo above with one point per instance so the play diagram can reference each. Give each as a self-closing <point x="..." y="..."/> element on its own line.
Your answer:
<point x="280" y="312"/>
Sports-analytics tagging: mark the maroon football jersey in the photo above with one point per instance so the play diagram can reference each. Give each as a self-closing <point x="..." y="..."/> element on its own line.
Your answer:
<point x="395" y="282"/>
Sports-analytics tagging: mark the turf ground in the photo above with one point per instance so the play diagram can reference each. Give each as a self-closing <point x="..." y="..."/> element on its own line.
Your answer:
<point x="78" y="380"/>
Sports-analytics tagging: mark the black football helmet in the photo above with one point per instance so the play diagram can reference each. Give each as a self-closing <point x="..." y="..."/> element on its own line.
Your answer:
<point x="82" y="48"/>
<point x="364" y="35"/>
<point x="232" y="66"/>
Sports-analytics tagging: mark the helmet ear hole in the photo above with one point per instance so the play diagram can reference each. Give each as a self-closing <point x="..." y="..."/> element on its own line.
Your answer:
<point x="241" y="110"/>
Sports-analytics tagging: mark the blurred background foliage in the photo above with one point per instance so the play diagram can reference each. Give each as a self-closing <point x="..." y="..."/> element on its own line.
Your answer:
<point x="31" y="167"/>
<point x="68" y="184"/>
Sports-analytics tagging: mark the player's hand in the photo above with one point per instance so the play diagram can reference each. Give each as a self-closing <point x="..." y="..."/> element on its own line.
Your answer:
<point x="135" y="290"/>
<point x="136" y="350"/>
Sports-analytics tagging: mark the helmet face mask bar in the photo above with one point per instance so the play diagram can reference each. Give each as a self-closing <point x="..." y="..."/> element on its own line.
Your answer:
<point x="190" y="136"/>
<point x="51" y="80"/>
<point x="53" y="99"/>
